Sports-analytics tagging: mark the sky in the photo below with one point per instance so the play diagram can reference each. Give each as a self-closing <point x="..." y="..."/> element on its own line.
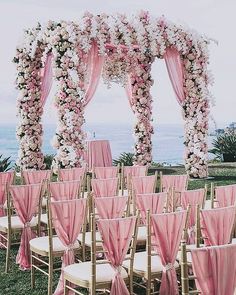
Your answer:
<point x="214" y="18"/>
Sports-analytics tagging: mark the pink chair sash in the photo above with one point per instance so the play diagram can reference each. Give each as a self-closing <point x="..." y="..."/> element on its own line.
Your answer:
<point x="154" y="202"/>
<point x="3" y="198"/>
<point x="6" y="177"/>
<point x="136" y="171"/>
<point x="106" y="172"/>
<point x="226" y="195"/>
<point x="117" y="235"/>
<point x="67" y="218"/>
<point x="110" y="207"/>
<point x="71" y="174"/>
<point x="168" y="229"/>
<point x="192" y="198"/>
<point x="64" y="190"/>
<point x="104" y="187"/>
<point x="217" y="225"/>
<point x="144" y="185"/>
<point x="215" y="269"/>
<point x="36" y="176"/>
<point x="177" y="182"/>
<point x="26" y="202"/>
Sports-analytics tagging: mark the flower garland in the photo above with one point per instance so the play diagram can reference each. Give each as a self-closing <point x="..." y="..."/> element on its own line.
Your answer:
<point x="137" y="42"/>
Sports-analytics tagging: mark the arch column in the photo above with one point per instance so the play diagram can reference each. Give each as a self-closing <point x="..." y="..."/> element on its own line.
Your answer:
<point x="141" y="103"/>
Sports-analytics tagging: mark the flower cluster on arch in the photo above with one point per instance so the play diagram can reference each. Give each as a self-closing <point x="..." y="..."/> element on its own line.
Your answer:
<point x="135" y="43"/>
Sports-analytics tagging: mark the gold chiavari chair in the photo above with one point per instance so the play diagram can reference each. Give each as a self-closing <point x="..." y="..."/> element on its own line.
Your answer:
<point x="45" y="252"/>
<point x="98" y="274"/>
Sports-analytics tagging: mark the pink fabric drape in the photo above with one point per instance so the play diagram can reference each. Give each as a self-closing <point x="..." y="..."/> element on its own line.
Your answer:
<point x="106" y="172"/>
<point x="46" y="79"/>
<point x="67" y="218"/>
<point x="175" y="70"/>
<point x="26" y="202"/>
<point x="71" y="174"/>
<point x="135" y="171"/>
<point x="154" y="202"/>
<point x="110" y="207"/>
<point x="177" y="182"/>
<point x="65" y="190"/>
<point x="98" y="154"/>
<point x="128" y="90"/>
<point x="168" y="229"/>
<point x="117" y="235"/>
<point x="3" y="198"/>
<point x="6" y="177"/>
<point x="217" y="225"/>
<point x="144" y="185"/>
<point x="215" y="269"/>
<point x="105" y="187"/>
<point x="94" y="69"/>
<point x="192" y="198"/>
<point x="36" y="176"/>
<point x="226" y="195"/>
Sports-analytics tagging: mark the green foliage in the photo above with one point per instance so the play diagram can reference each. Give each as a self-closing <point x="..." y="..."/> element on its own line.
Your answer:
<point x="5" y="164"/>
<point x="224" y="147"/>
<point x="48" y="161"/>
<point x="125" y="158"/>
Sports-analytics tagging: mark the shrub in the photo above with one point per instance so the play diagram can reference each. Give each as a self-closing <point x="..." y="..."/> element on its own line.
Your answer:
<point x="125" y="158"/>
<point x="224" y="147"/>
<point x="5" y="164"/>
<point x="48" y="161"/>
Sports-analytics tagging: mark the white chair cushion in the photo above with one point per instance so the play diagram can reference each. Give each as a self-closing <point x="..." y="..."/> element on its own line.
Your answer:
<point x="44" y="218"/>
<point x="233" y="241"/>
<point x="142" y="234"/>
<point x="41" y="245"/>
<point x="16" y="224"/>
<point x="207" y="204"/>
<point x="140" y="264"/>
<point x="81" y="272"/>
<point x="88" y="239"/>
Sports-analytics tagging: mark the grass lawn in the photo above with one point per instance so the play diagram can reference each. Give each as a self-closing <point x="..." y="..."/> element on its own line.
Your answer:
<point x="18" y="282"/>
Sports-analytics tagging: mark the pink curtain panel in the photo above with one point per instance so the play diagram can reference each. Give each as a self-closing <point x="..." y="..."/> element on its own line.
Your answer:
<point x="215" y="269"/>
<point x="71" y="174"/>
<point x="168" y="229"/>
<point x="136" y="171"/>
<point x="217" y="225"/>
<point x="176" y="74"/>
<point x="3" y="198"/>
<point x="104" y="187"/>
<point x="143" y="185"/>
<point x="192" y="198"/>
<point x="154" y="202"/>
<point x="46" y="79"/>
<point x="117" y="235"/>
<point x="26" y="202"/>
<point x="177" y="182"/>
<point x="106" y="172"/>
<point x="64" y="190"/>
<point x="226" y="195"/>
<point x="34" y="177"/>
<point x="67" y="218"/>
<point x="110" y="207"/>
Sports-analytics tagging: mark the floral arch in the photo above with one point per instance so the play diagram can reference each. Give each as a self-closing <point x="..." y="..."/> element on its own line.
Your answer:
<point x="120" y="50"/>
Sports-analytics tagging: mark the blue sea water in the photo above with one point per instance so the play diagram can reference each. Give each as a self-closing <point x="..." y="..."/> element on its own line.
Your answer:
<point x="167" y="141"/>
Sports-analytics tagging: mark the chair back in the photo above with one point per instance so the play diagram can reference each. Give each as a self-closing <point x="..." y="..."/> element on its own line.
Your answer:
<point x="7" y="177"/>
<point x="26" y="202"/>
<point x="111" y="207"/>
<point x="144" y="184"/>
<point x="70" y="174"/>
<point x="127" y="172"/>
<point x="215" y="225"/>
<point x="3" y="198"/>
<point x="64" y="190"/>
<point x="67" y="217"/>
<point x="106" y="172"/>
<point x="154" y="202"/>
<point x="225" y="195"/>
<point x="176" y="182"/>
<point x="166" y="231"/>
<point x="214" y="270"/>
<point x="105" y="187"/>
<point x="35" y="176"/>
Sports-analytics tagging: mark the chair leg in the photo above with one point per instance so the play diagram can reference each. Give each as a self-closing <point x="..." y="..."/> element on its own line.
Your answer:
<point x="148" y="287"/>
<point x="8" y="253"/>
<point x="32" y="272"/>
<point x="50" y="276"/>
<point x="65" y="289"/>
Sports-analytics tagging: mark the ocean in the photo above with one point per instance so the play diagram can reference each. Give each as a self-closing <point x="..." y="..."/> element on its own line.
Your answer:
<point x="168" y="147"/>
